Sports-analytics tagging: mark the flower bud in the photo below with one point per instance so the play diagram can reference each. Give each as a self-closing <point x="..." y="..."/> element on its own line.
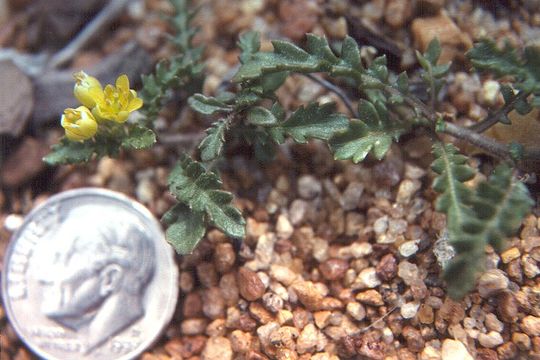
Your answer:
<point x="79" y="123"/>
<point x="86" y="88"/>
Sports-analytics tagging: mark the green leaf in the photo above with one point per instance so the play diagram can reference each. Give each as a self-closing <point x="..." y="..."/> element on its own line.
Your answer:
<point x="258" y="115"/>
<point x="70" y="152"/>
<point x="318" y="57"/>
<point x="523" y="67"/>
<point x="212" y="145"/>
<point x="208" y="105"/>
<point x="501" y="204"/>
<point x="139" y="137"/>
<point x="185" y="228"/>
<point x="249" y="43"/>
<point x="475" y="218"/>
<point x="201" y="191"/>
<point x="433" y="51"/>
<point x="455" y="197"/>
<point x="314" y="121"/>
<point x="373" y="133"/>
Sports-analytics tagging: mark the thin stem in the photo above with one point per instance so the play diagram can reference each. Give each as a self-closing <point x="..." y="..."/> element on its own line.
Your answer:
<point x="105" y="16"/>
<point x="331" y="87"/>
<point x="494" y="118"/>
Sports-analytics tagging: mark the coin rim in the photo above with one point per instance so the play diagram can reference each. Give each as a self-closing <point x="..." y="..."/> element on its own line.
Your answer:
<point x="173" y="300"/>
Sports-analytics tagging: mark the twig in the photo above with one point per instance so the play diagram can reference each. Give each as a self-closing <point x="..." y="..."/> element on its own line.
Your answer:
<point x="494" y="118"/>
<point x="181" y="140"/>
<point x="331" y="87"/>
<point x="105" y="16"/>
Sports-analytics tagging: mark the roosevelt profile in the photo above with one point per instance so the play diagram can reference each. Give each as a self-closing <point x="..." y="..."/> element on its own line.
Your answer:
<point x="97" y="273"/>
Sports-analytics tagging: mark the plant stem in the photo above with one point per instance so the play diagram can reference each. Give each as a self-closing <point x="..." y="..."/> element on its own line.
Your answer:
<point x="500" y="150"/>
<point x="494" y="118"/>
<point x="331" y="87"/>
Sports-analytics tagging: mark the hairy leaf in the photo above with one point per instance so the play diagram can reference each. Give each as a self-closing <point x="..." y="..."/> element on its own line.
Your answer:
<point x="70" y="152"/>
<point x="524" y="67"/>
<point x="314" y="121"/>
<point x="201" y="190"/>
<point x="249" y="43"/>
<point x="374" y="132"/>
<point x="182" y="71"/>
<point x="258" y="115"/>
<point x="208" y="105"/>
<point x="139" y="137"/>
<point x="316" y="58"/>
<point x="455" y="198"/>
<point x="475" y="218"/>
<point x="212" y="145"/>
<point x="185" y="228"/>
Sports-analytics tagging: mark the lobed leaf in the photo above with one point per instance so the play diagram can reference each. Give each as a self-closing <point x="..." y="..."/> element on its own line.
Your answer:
<point x="374" y="132"/>
<point x="70" y="152"/>
<point x="475" y="218"/>
<point x="201" y="191"/>
<point x="185" y="228"/>
<point x="139" y="137"/>
<point x="318" y="57"/>
<point x="208" y="105"/>
<point x="314" y="121"/>
<point x="212" y="145"/>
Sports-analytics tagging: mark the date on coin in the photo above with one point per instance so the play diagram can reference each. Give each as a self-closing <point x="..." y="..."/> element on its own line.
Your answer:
<point x="89" y="275"/>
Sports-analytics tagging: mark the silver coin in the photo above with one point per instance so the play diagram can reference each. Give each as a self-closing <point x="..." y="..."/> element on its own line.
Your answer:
<point x="89" y="275"/>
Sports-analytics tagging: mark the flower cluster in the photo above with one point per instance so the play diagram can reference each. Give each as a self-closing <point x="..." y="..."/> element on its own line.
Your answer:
<point x="114" y="103"/>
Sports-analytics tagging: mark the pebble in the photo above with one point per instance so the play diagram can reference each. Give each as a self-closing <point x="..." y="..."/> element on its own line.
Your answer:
<point x="425" y="314"/>
<point x="283" y="274"/>
<point x="490" y="340"/>
<point x="322" y="318"/>
<point x="380" y="225"/>
<point x="492" y="282"/>
<point x="493" y="324"/>
<point x="408" y="248"/>
<point x="213" y="303"/>
<point x="264" y="332"/>
<point x="308" y="294"/>
<point x="297" y="211"/>
<point x="409" y="310"/>
<point x="284" y="229"/>
<point x="264" y="252"/>
<point x="451" y="38"/>
<point x="194" y="326"/>
<point x="530" y="266"/>
<point x="224" y="257"/>
<point x="272" y="302"/>
<point x="356" y="310"/>
<point x="510" y="254"/>
<point x="408" y="272"/>
<point x="309" y="187"/>
<point x="240" y="341"/>
<point x="351" y="195"/>
<point x="454" y="350"/>
<point x="366" y="279"/>
<point x="333" y="269"/>
<point x="407" y="188"/>
<point x="217" y="348"/>
<point x="307" y="341"/>
<point x="387" y="267"/>
<point x="370" y="297"/>
<point x="522" y="341"/>
<point x="531" y="325"/>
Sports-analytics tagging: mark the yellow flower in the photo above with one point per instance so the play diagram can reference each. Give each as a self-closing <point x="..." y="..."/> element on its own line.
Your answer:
<point x="79" y="123"/>
<point x="85" y="85"/>
<point x="115" y="102"/>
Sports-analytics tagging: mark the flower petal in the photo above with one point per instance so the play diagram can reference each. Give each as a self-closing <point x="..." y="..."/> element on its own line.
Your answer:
<point x="122" y="83"/>
<point x="135" y="104"/>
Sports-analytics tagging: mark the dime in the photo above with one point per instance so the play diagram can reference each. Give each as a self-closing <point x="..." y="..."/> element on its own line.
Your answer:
<point x="89" y="275"/>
